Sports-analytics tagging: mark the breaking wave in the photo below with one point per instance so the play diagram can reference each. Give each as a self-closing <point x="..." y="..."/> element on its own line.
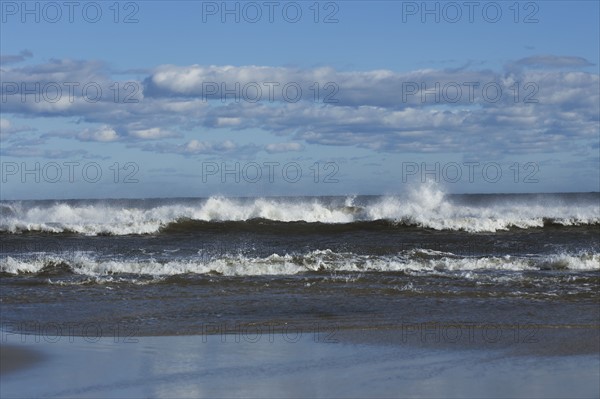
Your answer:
<point x="415" y="260"/>
<point x="425" y="207"/>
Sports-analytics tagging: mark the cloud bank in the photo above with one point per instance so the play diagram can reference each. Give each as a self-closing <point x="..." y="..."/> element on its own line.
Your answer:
<point x="532" y="105"/>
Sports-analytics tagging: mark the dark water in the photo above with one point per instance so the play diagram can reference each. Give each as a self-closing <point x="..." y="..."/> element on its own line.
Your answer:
<point x="176" y="266"/>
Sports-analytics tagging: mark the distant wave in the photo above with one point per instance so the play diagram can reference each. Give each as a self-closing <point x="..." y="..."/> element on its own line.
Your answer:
<point x="415" y="260"/>
<point x="426" y="207"/>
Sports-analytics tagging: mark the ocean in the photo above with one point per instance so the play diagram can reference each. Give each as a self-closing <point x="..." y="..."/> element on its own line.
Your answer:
<point x="185" y="266"/>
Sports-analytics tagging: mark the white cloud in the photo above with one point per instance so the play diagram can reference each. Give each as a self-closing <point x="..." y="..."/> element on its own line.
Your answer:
<point x="374" y="109"/>
<point x="283" y="147"/>
<point x="154" y="133"/>
<point x="5" y="128"/>
<point x="554" y="61"/>
<point x="204" y="147"/>
<point x="8" y="129"/>
<point x="228" y="121"/>
<point x="102" y="134"/>
<point x="195" y="146"/>
<point x="4" y="125"/>
<point x="11" y="59"/>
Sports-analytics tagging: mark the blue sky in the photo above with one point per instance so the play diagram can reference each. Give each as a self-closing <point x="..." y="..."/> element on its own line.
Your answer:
<point x="481" y="97"/>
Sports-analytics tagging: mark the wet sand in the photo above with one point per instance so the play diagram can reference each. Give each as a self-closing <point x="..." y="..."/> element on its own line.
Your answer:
<point x="349" y="364"/>
<point x="510" y="339"/>
<point x="15" y="358"/>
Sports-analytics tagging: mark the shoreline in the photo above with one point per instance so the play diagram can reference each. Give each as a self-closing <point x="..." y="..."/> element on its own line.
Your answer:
<point x="518" y="339"/>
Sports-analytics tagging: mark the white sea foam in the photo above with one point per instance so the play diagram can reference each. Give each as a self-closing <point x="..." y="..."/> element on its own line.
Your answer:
<point x="426" y="207"/>
<point x="290" y="264"/>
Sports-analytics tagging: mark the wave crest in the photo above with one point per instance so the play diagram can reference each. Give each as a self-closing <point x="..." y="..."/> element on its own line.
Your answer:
<point x="426" y="207"/>
<point x="415" y="260"/>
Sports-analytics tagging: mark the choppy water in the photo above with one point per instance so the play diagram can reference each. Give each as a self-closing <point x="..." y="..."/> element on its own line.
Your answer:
<point x="170" y="265"/>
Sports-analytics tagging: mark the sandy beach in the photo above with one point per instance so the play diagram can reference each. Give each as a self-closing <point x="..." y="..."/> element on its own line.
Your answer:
<point x="351" y="364"/>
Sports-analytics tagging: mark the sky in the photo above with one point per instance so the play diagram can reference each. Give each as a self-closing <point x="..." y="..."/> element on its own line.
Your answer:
<point x="139" y="99"/>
